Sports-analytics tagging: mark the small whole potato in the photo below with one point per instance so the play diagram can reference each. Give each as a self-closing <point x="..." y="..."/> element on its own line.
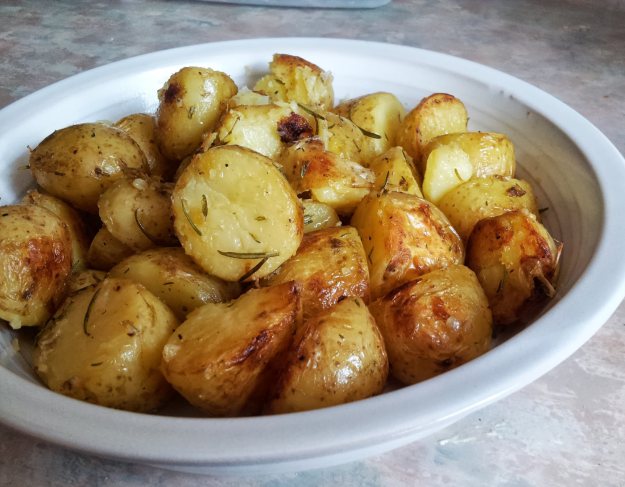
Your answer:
<point x="434" y="323"/>
<point x="105" y="251"/>
<point x="35" y="261"/>
<point x="77" y="163"/>
<point x="104" y="346"/>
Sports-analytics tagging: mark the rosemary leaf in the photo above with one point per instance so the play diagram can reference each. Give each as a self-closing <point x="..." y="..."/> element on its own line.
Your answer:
<point x="310" y="112"/>
<point x="85" y="322"/>
<point x="253" y="270"/>
<point x="369" y="134"/>
<point x="249" y="255"/>
<point x="204" y="206"/>
<point x="145" y="232"/>
<point x="185" y="210"/>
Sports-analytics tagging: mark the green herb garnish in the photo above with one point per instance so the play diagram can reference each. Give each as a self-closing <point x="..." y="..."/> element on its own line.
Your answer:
<point x="249" y="255"/>
<point x="185" y="210"/>
<point x="310" y="112"/>
<point x="204" y="206"/>
<point x="145" y="232"/>
<point x="253" y="270"/>
<point x="85" y="322"/>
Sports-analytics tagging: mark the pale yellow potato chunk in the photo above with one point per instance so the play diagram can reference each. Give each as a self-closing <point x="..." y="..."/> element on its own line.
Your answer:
<point x="343" y="138"/>
<point x="394" y="171"/>
<point x="447" y="167"/>
<point x="318" y="215"/>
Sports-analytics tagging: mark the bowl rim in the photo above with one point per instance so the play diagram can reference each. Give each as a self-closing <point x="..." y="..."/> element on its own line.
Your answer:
<point x="355" y="426"/>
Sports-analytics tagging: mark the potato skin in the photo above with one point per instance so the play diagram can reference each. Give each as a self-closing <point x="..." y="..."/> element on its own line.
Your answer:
<point x="338" y="357"/>
<point x="230" y="202"/>
<point x="104" y="346"/>
<point x="35" y="261"/>
<point x="509" y="253"/>
<point x="77" y="163"/>
<point x="318" y="215"/>
<point x="105" y="251"/>
<point x="434" y="323"/>
<point x="216" y="359"/>
<point x="480" y="198"/>
<point x="329" y="265"/>
<point x="173" y="277"/>
<point x="404" y="236"/>
<point x="190" y="104"/>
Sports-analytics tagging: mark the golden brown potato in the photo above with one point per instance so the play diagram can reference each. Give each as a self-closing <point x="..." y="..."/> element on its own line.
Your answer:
<point x="235" y="214"/>
<point x="394" y="171"/>
<point x="71" y="218"/>
<point x="318" y="215"/>
<point x="378" y="116"/>
<point x="77" y="163"/>
<point x="105" y="251"/>
<point x="404" y="236"/>
<point x="490" y="154"/>
<point x="190" y="104"/>
<point x="142" y="128"/>
<point x="137" y="212"/>
<point x="330" y="264"/>
<point x="516" y="262"/>
<point x="292" y="78"/>
<point x="338" y="357"/>
<point x="173" y="277"/>
<point x="104" y="346"/>
<point x="343" y="138"/>
<point x="216" y="359"/>
<point x="480" y="198"/>
<point x="435" y="115"/>
<point x="35" y="261"/>
<point x="328" y="178"/>
<point x="434" y="323"/>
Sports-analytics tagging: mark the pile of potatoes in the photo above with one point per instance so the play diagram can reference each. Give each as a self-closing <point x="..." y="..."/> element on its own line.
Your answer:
<point x="266" y="251"/>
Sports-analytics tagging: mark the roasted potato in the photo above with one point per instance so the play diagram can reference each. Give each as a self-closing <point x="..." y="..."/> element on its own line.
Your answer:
<point x="142" y="128"/>
<point x="516" y="262"/>
<point x="173" y="277"/>
<point x="318" y="215"/>
<point x="137" y="212"/>
<point x="77" y="163"/>
<point x="35" y="261"/>
<point x="245" y="96"/>
<point x="338" y="357"/>
<point x="190" y="105"/>
<point x="235" y="214"/>
<point x="216" y="359"/>
<point x="480" y="198"/>
<point x="71" y="218"/>
<point x="328" y="178"/>
<point x="343" y="138"/>
<point x="329" y="265"/>
<point x="394" y="171"/>
<point x="435" y="115"/>
<point x="434" y="323"/>
<point x="83" y="279"/>
<point x="447" y="167"/>
<point x="104" y="346"/>
<point x="378" y="116"/>
<point x="105" y="251"/>
<point x="292" y="78"/>
<point x="404" y="236"/>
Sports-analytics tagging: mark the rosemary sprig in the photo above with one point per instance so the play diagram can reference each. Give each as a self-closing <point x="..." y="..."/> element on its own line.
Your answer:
<point x="369" y="134"/>
<point x="310" y="112"/>
<point x="185" y="210"/>
<point x="253" y="270"/>
<point x="85" y="322"/>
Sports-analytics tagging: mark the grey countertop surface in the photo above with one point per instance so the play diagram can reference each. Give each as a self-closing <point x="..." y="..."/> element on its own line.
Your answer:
<point x="567" y="428"/>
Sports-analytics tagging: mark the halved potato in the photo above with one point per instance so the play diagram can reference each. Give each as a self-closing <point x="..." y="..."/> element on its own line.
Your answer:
<point x="404" y="236"/>
<point x="394" y="171"/>
<point x="516" y="261"/>
<point x="434" y="323"/>
<point x="435" y="115"/>
<point x="338" y="357"/>
<point x="318" y="215"/>
<point x="235" y="214"/>
<point x="104" y="346"/>
<point x="174" y="278"/>
<point x="216" y="359"/>
<point x="330" y="264"/>
<point x="105" y="251"/>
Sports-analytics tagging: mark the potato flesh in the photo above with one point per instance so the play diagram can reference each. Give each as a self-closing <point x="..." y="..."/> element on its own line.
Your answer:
<point x="217" y="357"/>
<point x="339" y="357"/>
<point x="447" y="167"/>
<point x="231" y="199"/>
<point x="343" y="138"/>
<point x="434" y="323"/>
<point x="395" y="171"/>
<point x="104" y="346"/>
<point x="318" y="215"/>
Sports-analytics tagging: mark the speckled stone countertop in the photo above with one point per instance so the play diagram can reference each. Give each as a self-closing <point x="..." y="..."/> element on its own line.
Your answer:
<point x="568" y="428"/>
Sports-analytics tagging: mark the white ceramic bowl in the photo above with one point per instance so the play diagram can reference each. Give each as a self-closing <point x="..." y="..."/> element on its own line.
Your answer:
<point x="576" y="171"/>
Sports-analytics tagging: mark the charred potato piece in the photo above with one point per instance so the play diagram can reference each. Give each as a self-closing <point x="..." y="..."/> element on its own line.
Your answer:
<point x="105" y="251"/>
<point x="318" y="215"/>
<point x="104" y="346"/>
<point x="435" y="115"/>
<point x="77" y="163"/>
<point x="292" y="78"/>
<point x="516" y="262"/>
<point x="328" y="178"/>
<point x="217" y="358"/>
<point x="235" y="214"/>
<point x="404" y="236"/>
<point x="71" y="218"/>
<point x="173" y="277"/>
<point x="394" y="171"/>
<point x="190" y="105"/>
<point x="35" y="261"/>
<point x="330" y="264"/>
<point x="480" y="198"/>
<point x="339" y="357"/>
<point x="137" y="212"/>
<point x="434" y="323"/>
